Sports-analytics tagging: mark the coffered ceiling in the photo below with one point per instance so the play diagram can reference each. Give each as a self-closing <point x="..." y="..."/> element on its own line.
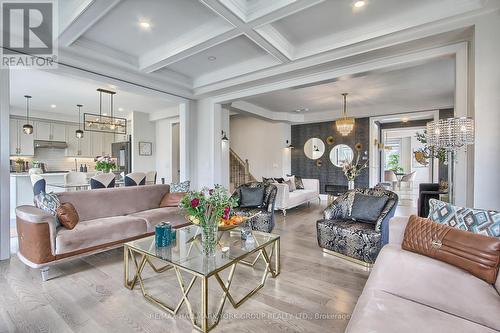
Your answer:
<point x="191" y="46"/>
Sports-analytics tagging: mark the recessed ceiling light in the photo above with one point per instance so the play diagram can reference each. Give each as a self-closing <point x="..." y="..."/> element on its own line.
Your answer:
<point x="145" y="25"/>
<point x="104" y="114"/>
<point x="405" y="119"/>
<point x="53" y="106"/>
<point x="120" y="109"/>
<point x="212" y="58"/>
<point x="301" y="110"/>
<point x="359" y="3"/>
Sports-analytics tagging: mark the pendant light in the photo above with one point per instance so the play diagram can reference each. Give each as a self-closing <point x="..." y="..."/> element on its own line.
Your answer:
<point x="104" y="122"/>
<point x="79" y="132"/>
<point x="27" y="128"/>
<point x="345" y="125"/>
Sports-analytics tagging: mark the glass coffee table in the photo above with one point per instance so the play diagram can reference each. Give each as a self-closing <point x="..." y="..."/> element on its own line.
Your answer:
<point x="185" y="255"/>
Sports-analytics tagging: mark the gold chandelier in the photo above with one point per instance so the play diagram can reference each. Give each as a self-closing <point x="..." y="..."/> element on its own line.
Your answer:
<point x="345" y="125"/>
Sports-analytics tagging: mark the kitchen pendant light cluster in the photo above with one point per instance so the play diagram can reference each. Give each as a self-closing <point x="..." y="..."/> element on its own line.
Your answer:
<point x="345" y="125"/>
<point x="79" y="132"/>
<point x="104" y="123"/>
<point x="27" y="128"/>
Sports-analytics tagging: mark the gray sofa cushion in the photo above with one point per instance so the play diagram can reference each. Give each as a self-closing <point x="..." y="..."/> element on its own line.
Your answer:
<point x="367" y="208"/>
<point x="251" y="197"/>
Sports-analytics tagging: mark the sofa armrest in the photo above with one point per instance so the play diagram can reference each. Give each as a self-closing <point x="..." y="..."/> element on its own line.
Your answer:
<point x="282" y="196"/>
<point x="36" y="230"/>
<point x="397" y="226"/>
<point x="311" y="184"/>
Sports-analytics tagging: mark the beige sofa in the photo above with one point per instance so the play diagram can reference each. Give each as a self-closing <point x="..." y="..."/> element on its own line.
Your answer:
<point x="108" y="218"/>
<point x="286" y="199"/>
<point x="407" y="292"/>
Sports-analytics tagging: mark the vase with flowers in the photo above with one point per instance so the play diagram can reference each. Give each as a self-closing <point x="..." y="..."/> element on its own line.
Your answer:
<point x="353" y="169"/>
<point x="206" y="208"/>
<point x="104" y="163"/>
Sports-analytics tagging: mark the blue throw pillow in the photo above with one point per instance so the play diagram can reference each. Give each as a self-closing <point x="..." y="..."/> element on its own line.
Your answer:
<point x="48" y="202"/>
<point x="478" y="221"/>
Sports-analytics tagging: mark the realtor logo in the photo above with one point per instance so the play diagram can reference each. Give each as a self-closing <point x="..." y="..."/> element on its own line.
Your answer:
<point x="27" y="34"/>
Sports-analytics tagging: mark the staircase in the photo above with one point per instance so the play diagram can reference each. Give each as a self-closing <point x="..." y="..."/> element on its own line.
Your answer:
<point x="239" y="171"/>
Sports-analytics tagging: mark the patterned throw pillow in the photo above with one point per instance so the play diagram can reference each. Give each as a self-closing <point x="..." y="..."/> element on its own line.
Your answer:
<point x="268" y="180"/>
<point x="478" y="221"/>
<point x="291" y="185"/>
<point x="299" y="185"/>
<point x="180" y="187"/>
<point x="48" y="202"/>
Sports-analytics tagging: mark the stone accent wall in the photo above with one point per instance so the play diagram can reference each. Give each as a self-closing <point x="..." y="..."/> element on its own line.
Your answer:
<point x="328" y="173"/>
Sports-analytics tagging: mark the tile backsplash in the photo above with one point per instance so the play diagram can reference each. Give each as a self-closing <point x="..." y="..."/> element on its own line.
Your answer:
<point x="55" y="160"/>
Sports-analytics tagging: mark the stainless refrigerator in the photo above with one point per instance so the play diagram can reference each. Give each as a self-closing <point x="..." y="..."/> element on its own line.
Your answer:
<point x="123" y="154"/>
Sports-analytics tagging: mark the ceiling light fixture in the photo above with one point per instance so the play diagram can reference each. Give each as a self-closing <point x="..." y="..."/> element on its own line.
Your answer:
<point x="102" y="122"/>
<point x="27" y="128"/>
<point x="53" y="106"/>
<point x="120" y="109"/>
<point x="145" y="25"/>
<point x="405" y="119"/>
<point x="212" y="58"/>
<point x="359" y="4"/>
<point x="79" y="132"/>
<point x="301" y="110"/>
<point x="345" y="125"/>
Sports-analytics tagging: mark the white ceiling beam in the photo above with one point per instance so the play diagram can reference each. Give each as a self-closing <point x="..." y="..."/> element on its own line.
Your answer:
<point x="159" y="58"/>
<point x="88" y="16"/>
<point x="246" y="28"/>
<point x="284" y="11"/>
<point x="261" y="112"/>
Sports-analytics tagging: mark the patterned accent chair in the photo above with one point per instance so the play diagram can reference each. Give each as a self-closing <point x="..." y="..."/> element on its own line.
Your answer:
<point x="265" y="220"/>
<point x="361" y="241"/>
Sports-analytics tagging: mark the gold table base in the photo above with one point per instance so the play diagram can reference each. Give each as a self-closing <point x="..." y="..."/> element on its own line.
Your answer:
<point x="203" y="325"/>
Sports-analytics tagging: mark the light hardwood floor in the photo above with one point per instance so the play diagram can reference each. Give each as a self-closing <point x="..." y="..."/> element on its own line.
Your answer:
<point x="87" y="295"/>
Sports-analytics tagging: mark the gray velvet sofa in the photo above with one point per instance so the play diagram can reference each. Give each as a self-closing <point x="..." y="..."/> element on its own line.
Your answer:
<point x="411" y="293"/>
<point x="108" y="218"/>
<point x="357" y="241"/>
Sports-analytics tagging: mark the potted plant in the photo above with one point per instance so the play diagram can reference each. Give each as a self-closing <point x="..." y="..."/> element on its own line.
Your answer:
<point x="206" y="208"/>
<point x="393" y="163"/>
<point x="352" y="170"/>
<point x="104" y="163"/>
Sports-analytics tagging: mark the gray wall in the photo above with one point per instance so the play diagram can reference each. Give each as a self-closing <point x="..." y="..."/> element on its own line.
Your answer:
<point x="327" y="173"/>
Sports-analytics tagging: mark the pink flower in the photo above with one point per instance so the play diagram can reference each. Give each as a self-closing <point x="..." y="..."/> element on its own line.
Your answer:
<point x="195" y="202"/>
<point x="226" y="213"/>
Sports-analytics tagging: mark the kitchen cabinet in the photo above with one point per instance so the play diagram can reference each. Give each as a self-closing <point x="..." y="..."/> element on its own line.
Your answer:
<point x="101" y="143"/>
<point x="20" y="144"/>
<point x="49" y="131"/>
<point x="77" y="147"/>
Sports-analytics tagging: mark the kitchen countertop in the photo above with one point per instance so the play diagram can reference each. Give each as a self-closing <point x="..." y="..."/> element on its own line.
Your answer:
<point x="25" y="174"/>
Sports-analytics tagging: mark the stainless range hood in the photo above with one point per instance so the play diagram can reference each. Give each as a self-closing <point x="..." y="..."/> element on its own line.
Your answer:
<point x="50" y="144"/>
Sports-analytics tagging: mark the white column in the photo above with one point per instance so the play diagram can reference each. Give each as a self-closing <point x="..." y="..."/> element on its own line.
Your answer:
<point x="186" y="137"/>
<point x="487" y="112"/>
<point x="4" y="165"/>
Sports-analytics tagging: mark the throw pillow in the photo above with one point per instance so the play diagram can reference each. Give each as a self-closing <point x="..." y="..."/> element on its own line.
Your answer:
<point x="172" y="199"/>
<point x="474" y="253"/>
<point x="477" y="221"/>
<point x="280" y="180"/>
<point x="251" y="197"/>
<point x="299" y="185"/>
<point x="180" y="187"/>
<point x="67" y="215"/>
<point x="48" y="202"/>
<point x="268" y="180"/>
<point x="291" y="185"/>
<point x="367" y="208"/>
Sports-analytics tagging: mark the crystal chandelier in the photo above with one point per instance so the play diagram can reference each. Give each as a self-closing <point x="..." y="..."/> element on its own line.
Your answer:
<point x="450" y="134"/>
<point x="345" y="125"/>
<point x="103" y="123"/>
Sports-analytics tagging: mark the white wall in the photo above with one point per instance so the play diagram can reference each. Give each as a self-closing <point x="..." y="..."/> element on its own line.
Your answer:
<point x="165" y="148"/>
<point x="143" y="130"/>
<point x="487" y="112"/>
<point x="263" y="144"/>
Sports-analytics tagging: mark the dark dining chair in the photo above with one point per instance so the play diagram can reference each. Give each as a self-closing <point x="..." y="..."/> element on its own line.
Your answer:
<point x="103" y="180"/>
<point x="38" y="183"/>
<point x="135" y="179"/>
